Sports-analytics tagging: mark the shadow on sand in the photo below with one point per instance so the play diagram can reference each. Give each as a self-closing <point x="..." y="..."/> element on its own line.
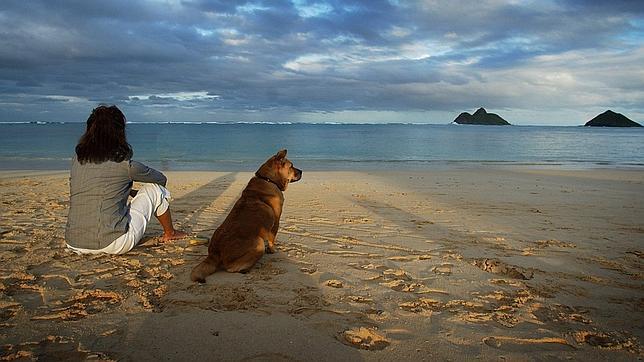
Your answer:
<point x="268" y="314"/>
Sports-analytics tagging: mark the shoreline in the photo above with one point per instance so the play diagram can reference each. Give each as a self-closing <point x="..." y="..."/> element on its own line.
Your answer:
<point x="482" y="263"/>
<point x="398" y="166"/>
<point x="633" y="174"/>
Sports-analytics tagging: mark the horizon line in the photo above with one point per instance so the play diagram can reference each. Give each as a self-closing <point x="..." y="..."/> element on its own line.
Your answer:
<point x="286" y="123"/>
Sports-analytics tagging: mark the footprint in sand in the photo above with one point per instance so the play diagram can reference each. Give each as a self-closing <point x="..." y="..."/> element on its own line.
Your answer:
<point x="369" y="266"/>
<point x="364" y="338"/>
<point x="396" y="274"/>
<point x="308" y="270"/>
<point x="555" y="243"/>
<point x="50" y="348"/>
<point x="401" y="286"/>
<point x="495" y="266"/>
<point x="8" y="310"/>
<point x="443" y="269"/>
<point x="83" y="304"/>
<point x="333" y="283"/>
<point x="359" y="299"/>
<point x="31" y="297"/>
<point x="610" y="340"/>
<point x="561" y="314"/>
<point x="422" y="305"/>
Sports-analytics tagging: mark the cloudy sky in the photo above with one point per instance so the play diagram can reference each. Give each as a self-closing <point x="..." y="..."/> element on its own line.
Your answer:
<point x="425" y="61"/>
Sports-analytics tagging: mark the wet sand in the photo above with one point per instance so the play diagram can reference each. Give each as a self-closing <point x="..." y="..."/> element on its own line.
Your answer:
<point x="477" y="264"/>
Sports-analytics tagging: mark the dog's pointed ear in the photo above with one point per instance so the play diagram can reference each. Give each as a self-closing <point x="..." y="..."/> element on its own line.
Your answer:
<point x="280" y="155"/>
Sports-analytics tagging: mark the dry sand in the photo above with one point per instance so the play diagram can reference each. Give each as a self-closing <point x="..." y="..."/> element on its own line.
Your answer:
<point x="484" y="264"/>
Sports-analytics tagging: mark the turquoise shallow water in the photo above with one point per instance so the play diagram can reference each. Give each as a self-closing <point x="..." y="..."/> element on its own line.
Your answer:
<point x="242" y="147"/>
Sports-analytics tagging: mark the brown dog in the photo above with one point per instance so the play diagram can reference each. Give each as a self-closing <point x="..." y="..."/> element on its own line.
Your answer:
<point x="238" y="243"/>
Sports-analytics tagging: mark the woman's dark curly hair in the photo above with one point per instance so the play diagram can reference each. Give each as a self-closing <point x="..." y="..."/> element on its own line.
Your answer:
<point x="104" y="138"/>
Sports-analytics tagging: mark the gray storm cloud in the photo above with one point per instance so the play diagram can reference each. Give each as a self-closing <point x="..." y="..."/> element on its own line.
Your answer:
<point x="550" y="61"/>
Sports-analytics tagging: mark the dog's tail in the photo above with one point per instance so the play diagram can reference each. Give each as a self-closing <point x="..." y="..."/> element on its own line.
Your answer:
<point x="205" y="268"/>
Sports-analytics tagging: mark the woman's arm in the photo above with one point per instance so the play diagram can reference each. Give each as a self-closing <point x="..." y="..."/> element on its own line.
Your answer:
<point x="142" y="173"/>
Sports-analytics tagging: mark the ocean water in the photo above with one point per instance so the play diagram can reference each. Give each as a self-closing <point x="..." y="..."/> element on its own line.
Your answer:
<point x="243" y="147"/>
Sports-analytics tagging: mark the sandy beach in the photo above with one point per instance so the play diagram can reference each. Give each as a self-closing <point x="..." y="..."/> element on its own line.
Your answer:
<point x="463" y="264"/>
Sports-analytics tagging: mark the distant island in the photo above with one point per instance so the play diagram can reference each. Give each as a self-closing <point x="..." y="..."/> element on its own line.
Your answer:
<point x="481" y="117"/>
<point x="611" y="119"/>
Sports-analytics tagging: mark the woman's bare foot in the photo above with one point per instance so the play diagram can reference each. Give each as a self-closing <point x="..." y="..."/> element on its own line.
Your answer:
<point x="169" y="232"/>
<point x="173" y="235"/>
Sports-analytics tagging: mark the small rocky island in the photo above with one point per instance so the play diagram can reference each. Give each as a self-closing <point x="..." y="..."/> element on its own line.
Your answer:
<point x="611" y="119"/>
<point x="481" y="117"/>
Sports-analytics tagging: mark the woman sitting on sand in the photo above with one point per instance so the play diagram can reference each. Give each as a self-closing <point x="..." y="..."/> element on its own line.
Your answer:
<point x="100" y="219"/>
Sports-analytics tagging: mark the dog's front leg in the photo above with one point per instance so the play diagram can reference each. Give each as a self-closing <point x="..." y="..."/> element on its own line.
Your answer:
<point x="272" y="237"/>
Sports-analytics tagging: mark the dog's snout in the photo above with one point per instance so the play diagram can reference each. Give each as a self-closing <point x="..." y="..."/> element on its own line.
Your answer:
<point x="298" y="175"/>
